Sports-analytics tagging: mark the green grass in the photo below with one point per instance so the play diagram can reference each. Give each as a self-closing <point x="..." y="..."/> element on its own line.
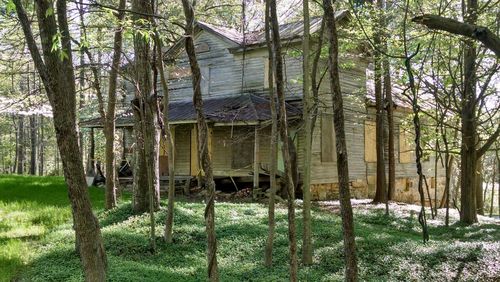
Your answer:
<point x="31" y="207"/>
<point x="389" y="248"/>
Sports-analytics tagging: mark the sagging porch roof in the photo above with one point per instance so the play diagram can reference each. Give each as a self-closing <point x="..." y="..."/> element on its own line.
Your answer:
<point x="245" y="108"/>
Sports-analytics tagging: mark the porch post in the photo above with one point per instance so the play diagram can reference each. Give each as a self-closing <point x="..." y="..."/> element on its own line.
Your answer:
<point x="256" y="162"/>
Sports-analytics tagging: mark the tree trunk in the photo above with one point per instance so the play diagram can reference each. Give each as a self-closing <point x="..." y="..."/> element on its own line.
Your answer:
<point x="468" y="208"/>
<point x="91" y="169"/>
<point x="20" y="145"/>
<point x="167" y="133"/>
<point x="390" y="123"/>
<point x="146" y="125"/>
<point x="109" y="118"/>
<point x="308" y="110"/>
<point x="283" y="130"/>
<point x="204" y="155"/>
<point x="41" y="164"/>
<point x="380" y="193"/>
<point x="34" y="145"/>
<point x="274" y="142"/>
<point x="59" y="80"/>
<point x="479" y="186"/>
<point x="351" y="270"/>
<point x="16" y="134"/>
<point x="493" y="177"/>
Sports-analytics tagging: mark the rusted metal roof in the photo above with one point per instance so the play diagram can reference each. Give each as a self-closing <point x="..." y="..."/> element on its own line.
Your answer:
<point x="242" y="108"/>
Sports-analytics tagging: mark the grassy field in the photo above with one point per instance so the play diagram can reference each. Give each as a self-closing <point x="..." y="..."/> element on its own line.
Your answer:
<point x="37" y="242"/>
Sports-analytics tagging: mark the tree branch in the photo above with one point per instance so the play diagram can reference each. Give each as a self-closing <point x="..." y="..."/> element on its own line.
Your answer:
<point x="30" y="40"/>
<point x="489" y="142"/>
<point x="479" y="33"/>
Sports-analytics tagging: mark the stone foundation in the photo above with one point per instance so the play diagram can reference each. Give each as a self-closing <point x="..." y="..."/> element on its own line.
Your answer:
<point x="406" y="190"/>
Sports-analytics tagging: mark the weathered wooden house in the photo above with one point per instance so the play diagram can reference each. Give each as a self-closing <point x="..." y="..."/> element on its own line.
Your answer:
<point x="235" y="90"/>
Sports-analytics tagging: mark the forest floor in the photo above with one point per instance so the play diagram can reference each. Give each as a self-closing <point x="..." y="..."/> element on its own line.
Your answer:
<point x="37" y="241"/>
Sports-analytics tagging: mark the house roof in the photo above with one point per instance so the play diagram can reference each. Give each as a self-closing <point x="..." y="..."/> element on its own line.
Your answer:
<point x="242" y="108"/>
<point x="291" y="30"/>
<point x="287" y="31"/>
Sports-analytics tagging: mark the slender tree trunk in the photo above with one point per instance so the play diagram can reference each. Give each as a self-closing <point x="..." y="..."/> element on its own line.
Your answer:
<point x="380" y="193"/>
<point x="308" y="110"/>
<point x="20" y="145"/>
<point x="109" y="118"/>
<point x="479" y="186"/>
<point x="59" y="80"/>
<point x="390" y="123"/>
<point x="91" y="169"/>
<point x="283" y="130"/>
<point x="206" y="162"/>
<point x="498" y="180"/>
<point x="418" y="148"/>
<point x="493" y="177"/>
<point x="351" y="270"/>
<point x="16" y="134"/>
<point x="41" y="164"/>
<point x="167" y="133"/>
<point x="274" y="142"/>
<point x="34" y="145"/>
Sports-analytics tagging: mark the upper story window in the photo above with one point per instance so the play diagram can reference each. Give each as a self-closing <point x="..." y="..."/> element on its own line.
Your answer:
<point x="201" y="47"/>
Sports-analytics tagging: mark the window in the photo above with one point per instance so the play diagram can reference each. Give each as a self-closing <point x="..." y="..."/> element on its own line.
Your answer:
<point x="242" y="147"/>
<point x="370" y="141"/>
<point x="328" y="149"/>
<point x="405" y="148"/>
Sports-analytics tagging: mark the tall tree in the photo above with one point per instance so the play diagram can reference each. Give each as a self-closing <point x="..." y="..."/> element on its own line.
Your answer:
<point x="145" y="114"/>
<point x="108" y="111"/>
<point x="283" y="130"/>
<point x="471" y="149"/>
<point x="351" y="270"/>
<point x="380" y="192"/>
<point x="274" y="140"/>
<point x="206" y="162"/>
<point x="468" y="209"/>
<point x="110" y="116"/>
<point x="308" y="121"/>
<point x="57" y="73"/>
<point x="167" y="134"/>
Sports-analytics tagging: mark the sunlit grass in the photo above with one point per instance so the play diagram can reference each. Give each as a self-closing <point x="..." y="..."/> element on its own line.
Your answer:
<point x="30" y="207"/>
<point x="389" y="248"/>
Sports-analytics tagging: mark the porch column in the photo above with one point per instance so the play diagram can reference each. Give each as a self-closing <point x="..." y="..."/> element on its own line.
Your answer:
<point x="256" y="162"/>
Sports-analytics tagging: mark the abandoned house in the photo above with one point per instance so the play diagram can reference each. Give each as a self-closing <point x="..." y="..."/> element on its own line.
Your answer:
<point x="236" y="103"/>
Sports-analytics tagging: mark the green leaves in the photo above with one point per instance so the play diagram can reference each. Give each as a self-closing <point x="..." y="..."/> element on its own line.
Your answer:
<point x="49" y="12"/>
<point x="10" y="7"/>
<point x="57" y="47"/>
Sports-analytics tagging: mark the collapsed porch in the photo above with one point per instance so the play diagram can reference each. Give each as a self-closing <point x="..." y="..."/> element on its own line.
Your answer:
<point x="239" y="141"/>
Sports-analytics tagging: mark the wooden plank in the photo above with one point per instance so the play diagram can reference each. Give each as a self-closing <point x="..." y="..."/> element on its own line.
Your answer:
<point x="405" y="148"/>
<point x="370" y="141"/>
<point x="182" y="141"/>
<point x="328" y="152"/>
